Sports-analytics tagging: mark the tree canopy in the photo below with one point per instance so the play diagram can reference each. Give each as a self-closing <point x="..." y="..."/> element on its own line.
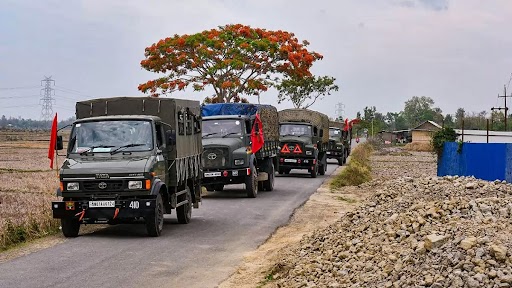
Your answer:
<point x="235" y="60"/>
<point x="303" y="92"/>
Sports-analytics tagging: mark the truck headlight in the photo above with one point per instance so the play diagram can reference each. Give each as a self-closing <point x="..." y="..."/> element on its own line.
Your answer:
<point x="239" y="162"/>
<point x="73" y="186"/>
<point x="339" y="147"/>
<point x="309" y="152"/>
<point x="134" y="184"/>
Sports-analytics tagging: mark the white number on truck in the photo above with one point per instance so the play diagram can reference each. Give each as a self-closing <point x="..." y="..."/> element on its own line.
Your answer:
<point x="134" y="204"/>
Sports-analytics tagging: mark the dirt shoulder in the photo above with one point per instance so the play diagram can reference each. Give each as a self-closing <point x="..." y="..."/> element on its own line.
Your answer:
<point x="322" y="209"/>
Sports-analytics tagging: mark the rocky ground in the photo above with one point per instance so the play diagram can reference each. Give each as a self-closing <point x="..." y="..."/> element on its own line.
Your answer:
<point x="413" y="230"/>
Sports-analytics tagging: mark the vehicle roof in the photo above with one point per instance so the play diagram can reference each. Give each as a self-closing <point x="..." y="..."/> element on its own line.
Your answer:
<point x="119" y="117"/>
<point x="217" y="117"/>
<point x="295" y="123"/>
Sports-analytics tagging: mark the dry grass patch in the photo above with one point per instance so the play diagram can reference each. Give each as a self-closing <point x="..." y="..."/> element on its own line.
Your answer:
<point x="358" y="169"/>
<point x="419" y="147"/>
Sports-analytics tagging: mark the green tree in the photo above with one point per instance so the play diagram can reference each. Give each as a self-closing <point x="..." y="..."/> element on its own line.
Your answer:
<point x="419" y="109"/>
<point x="303" y="92"/>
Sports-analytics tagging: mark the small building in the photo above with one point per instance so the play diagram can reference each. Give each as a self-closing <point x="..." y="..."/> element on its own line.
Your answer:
<point x="425" y="131"/>
<point x="386" y="136"/>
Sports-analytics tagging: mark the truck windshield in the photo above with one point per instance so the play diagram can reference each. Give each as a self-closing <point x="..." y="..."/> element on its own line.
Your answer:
<point x="295" y="130"/>
<point x="335" y="133"/>
<point x="106" y="136"/>
<point x="221" y="128"/>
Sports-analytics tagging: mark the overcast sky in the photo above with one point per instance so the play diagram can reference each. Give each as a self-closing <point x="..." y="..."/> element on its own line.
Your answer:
<point x="382" y="52"/>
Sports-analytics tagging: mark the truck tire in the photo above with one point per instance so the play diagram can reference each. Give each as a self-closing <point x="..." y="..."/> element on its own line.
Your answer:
<point x="70" y="227"/>
<point x="155" y="223"/>
<point x="218" y="187"/>
<point x="268" y="185"/>
<point x="209" y="188"/>
<point x="287" y="171"/>
<point x="184" y="212"/>
<point x="341" y="161"/>
<point x="251" y="183"/>
<point x="314" y="171"/>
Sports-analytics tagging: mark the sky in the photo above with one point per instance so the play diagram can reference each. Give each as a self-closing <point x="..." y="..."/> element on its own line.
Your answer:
<point x="381" y="52"/>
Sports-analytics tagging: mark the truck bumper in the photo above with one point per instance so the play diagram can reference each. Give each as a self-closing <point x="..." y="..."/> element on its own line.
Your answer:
<point x="123" y="209"/>
<point x="334" y="154"/>
<point x="296" y="163"/>
<point x="218" y="176"/>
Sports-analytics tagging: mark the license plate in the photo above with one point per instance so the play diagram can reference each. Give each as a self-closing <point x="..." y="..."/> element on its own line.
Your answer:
<point x="290" y="160"/>
<point x="102" y="204"/>
<point x="211" y="174"/>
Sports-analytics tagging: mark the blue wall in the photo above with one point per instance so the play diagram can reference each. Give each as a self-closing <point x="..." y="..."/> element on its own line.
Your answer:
<point x="487" y="161"/>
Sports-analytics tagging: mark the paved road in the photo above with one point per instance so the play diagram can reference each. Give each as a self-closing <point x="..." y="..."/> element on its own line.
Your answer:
<point x="199" y="254"/>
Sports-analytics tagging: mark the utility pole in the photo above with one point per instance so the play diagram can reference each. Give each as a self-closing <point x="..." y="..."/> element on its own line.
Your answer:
<point x="47" y="99"/>
<point x="506" y="108"/>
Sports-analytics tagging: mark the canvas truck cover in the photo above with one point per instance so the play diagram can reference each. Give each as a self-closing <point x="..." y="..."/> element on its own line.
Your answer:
<point x="336" y="124"/>
<point x="168" y="110"/>
<point x="315" y="118"/>
<point x="268" y="115"/>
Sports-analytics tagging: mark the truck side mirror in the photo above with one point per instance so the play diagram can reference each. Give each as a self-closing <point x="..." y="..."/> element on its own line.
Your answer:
<point x="171" y="137"/>
<point x="59" y="145"/>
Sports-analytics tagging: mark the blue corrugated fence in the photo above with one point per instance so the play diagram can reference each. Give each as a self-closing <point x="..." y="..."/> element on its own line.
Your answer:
<point x="487" y="161"/>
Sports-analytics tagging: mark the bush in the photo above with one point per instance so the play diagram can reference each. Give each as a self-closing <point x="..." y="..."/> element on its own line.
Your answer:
<point x="419" y="147"/>
<point x="441" y="136"/>
<point x="358" y="170"/>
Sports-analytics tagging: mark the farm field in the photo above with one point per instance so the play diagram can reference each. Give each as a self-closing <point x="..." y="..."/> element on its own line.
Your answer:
<point x="27" y="187"/>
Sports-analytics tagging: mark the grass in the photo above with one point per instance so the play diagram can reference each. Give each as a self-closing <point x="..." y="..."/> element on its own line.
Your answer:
<point x="27" y="188"/>
<point x="345" y="199"/>
<point x="419" y="147"/>
<point x="358" y="170"/>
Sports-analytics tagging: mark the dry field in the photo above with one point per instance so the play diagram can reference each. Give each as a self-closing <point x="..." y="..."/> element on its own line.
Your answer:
<point x="27" y="187"/>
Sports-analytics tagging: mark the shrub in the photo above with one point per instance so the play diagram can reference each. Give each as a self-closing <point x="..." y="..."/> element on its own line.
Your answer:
<point x="441" y="136"/>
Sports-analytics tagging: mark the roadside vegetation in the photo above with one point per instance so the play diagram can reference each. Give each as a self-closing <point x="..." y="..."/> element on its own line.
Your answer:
<point x="358" y="170"/>
<point x="27" y="187"/>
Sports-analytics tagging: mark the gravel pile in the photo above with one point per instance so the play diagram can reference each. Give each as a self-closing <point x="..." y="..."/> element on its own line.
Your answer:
<point x="411" y="232"/>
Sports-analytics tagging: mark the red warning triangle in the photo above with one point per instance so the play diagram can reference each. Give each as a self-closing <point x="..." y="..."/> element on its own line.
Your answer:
<point x="297" y="149"/>
<point x="285" y="149"/>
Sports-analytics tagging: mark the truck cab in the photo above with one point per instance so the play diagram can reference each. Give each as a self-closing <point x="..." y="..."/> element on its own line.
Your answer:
<point x="336" y="146"/>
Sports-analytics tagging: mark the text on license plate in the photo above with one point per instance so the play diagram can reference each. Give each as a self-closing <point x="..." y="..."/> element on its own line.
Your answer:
<point x="290" y="160"/>
<point x="211" y="174"/>
<point x="102" y="204"/>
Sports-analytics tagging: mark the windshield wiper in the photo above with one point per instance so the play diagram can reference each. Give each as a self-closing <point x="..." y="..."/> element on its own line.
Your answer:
<point x="94" y="147"/>
<point x="230" y="133"/>
<point x="210" y="134"/>
<point x="125" y="146"/>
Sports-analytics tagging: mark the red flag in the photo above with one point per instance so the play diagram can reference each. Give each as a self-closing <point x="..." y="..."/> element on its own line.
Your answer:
<point x="53" y="141"/>
<point x="257" y="138"/>
<point x="345" y="128"/>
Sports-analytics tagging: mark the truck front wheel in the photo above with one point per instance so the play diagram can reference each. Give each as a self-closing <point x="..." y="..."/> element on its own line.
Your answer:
<point x="70" y="227"/>
<point x="314" y="171"/>
<point x="251" y="183"/>
<point x="155" y="223"/>
<point x="269" y="184"/>
<point x="184" y="212"/>
<point x="322" y="169"/>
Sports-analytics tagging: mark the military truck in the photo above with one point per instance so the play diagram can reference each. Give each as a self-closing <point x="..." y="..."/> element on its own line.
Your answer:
<point x="337" y="147"/>
<point x="241" y="144"/>
<point x="304" y="141"/>
<point x="130" y="160"/>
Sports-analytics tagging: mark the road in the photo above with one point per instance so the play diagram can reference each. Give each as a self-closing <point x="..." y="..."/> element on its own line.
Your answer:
<point x="199" y="254"/>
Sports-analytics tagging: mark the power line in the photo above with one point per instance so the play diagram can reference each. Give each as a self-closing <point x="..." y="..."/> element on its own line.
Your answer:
<point x="18" y="88"/>
<point x="47" y="99"/>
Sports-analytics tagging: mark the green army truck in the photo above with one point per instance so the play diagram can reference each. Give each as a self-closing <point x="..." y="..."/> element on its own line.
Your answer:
<point x="130" y="160"/>
<point x="241" y="144"/>
<point x="337" y="144"/>
<point x="304" y="139"/>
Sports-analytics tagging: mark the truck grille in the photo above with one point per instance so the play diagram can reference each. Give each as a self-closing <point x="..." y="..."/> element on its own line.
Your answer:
<point x="215" y="157"/>
<point x="110" y="185"/>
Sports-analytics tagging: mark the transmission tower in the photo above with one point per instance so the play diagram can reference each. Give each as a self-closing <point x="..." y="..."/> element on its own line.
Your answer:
<point x="47" y="100"/>
<point x="339" y="110"/>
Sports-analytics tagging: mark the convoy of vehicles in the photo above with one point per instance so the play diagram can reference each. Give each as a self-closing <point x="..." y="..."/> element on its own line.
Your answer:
<point x="304" y="141"/>
<point x="134" y="159"/>
<point x="241" y="143"/>
<point x="130" y="160"/>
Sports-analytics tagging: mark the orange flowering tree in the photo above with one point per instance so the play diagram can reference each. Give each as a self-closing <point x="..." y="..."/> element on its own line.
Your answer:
<point x="235" y="60"/>
<point x="303" y="92"/>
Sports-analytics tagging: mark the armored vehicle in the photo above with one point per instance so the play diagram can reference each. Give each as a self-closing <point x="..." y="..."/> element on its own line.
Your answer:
<point x="130" y="160"/>
<point x="241" y="143"/>
<point x="304" y="141"/>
